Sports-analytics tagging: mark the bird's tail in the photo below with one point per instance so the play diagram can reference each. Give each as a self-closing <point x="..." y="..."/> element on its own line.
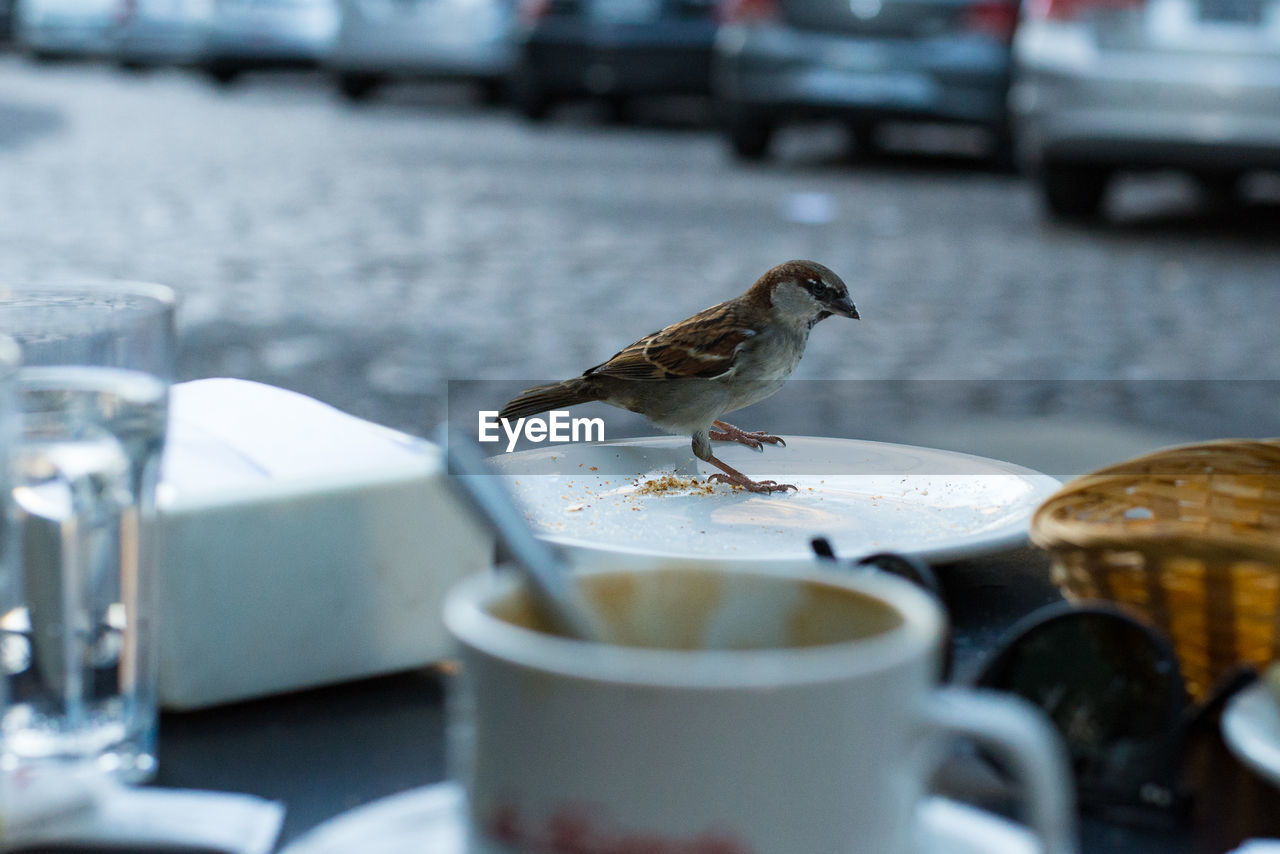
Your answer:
<point x="543" y="397"/>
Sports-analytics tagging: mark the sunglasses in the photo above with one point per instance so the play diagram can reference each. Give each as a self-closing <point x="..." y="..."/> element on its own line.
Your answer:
<point x="1111" y="686"/>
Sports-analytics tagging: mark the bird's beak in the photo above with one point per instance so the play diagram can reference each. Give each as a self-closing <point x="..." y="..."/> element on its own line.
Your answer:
<point x="843" y="307"/>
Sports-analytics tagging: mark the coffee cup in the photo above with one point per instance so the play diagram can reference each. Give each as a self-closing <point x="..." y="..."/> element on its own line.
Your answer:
<point x="781" y="710"/>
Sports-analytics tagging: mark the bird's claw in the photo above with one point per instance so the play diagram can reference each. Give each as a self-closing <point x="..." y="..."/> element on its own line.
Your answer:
<point x="753" y="439"/>
<point x="757" y="439"/>
<point x="764" y="486"/>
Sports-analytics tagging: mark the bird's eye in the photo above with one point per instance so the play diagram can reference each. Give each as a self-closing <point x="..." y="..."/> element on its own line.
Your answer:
<point x="817" y="287"/>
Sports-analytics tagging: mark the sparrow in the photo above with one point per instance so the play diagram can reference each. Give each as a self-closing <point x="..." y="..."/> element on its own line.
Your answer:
<point x="685" y="376"/>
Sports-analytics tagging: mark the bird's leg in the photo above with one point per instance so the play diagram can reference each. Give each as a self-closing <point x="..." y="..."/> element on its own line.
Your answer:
<point x="737" y="478"/>
<point x="755" y="439"/>
<point x="702" y="450"/>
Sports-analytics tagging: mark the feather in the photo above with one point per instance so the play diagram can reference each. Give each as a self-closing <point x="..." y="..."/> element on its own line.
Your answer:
<point x="544" y="397"/>
<point x="705" y="346"/>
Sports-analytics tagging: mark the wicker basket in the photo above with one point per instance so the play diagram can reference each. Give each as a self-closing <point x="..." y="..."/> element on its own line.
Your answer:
<point x="1189" y="538"/>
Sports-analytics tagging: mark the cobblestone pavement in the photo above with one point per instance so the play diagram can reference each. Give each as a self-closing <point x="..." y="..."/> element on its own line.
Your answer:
<point x="368" y="255"/>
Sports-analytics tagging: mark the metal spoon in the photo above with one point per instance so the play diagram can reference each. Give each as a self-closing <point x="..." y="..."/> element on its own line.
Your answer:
<point x="559" y="599"/>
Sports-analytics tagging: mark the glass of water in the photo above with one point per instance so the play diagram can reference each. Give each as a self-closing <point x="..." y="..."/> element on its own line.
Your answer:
<point x="9" y="361"/>
<point x="77" y="625"/>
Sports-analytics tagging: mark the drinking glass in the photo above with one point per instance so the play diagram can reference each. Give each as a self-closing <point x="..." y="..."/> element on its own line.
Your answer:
<point x="9" y="358"/>
<point x="77" y="630"/>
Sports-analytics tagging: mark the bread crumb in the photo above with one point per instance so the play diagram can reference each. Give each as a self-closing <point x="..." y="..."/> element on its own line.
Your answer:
<point x="669" y="483"/>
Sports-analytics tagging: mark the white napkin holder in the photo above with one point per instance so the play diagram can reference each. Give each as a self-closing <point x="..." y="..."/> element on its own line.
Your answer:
<point x="300" y="546"/>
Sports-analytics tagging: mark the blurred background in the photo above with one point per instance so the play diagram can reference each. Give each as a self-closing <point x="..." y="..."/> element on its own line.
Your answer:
<point x="1056" y="218"/>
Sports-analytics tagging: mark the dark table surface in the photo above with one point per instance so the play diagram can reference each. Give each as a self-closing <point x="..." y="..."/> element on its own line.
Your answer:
<point x="325" y="751"/>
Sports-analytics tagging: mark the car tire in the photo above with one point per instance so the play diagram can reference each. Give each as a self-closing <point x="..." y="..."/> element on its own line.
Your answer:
<point x="355" y="87"/>
<point x="222" y="75"/>
<point x="1074" y="191"/>
<point x="1003" y="156"/>
<point x="865" y="139"/>
<point x="493" y="92"/>
<point x="617" y="109"/>
<point x="750" y="138"/>
<point x="531" y="100"/>
<point x="1221" y="189"/>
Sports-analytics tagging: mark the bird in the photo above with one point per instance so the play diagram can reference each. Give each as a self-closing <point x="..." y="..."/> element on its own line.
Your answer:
<point x="686" y="376"/>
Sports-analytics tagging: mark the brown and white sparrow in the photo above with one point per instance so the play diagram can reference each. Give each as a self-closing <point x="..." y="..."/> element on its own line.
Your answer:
<point x="687" y="375"/>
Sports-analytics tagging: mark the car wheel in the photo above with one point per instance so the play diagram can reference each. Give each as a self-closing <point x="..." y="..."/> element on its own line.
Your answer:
<point x="1074" y="191"/>
<point x="1220" y="189"/>
<point x="1003" y="155"/>
<point x="493" y="92"/>
<point x="617" y="109"/>
<point x="750" y="137"/>
<point x="222" y="75"/>
<point x="358" y="87"/>
<point x="531" y="100"/>
<point x="866" y="139"/>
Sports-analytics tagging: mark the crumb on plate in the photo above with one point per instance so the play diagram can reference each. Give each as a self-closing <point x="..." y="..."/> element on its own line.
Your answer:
<point x="669" y="483"/>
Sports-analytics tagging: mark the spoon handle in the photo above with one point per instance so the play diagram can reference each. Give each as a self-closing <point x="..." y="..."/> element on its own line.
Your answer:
<point x="549" y="582"/>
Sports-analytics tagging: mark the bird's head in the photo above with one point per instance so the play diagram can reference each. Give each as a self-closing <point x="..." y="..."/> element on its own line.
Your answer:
<point x="805" y="292"/>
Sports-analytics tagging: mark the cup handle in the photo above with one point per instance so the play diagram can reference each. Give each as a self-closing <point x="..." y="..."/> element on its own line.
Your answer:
<point x="1020" y="735"/>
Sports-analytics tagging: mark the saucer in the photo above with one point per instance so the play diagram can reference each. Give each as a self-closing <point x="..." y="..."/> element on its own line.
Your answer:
<point x="650" y="497"/>
<point x="1251" y="729"/>
<point x="432" y="819"/>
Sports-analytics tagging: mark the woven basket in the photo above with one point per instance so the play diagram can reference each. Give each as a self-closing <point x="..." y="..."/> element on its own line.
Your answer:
<point x="1189" y="538"/>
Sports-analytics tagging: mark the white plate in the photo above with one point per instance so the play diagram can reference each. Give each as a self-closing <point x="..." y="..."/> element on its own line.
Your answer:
<point x="863" y="496"/>
<point x="1251" y="729"/>
<point x="430" y="819"/>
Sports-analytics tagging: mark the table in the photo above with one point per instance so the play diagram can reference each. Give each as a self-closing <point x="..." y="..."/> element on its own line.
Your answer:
<point x="327" y="750"/>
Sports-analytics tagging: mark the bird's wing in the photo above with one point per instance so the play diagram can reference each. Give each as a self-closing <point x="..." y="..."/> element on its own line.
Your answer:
<point x="705" y="347"/>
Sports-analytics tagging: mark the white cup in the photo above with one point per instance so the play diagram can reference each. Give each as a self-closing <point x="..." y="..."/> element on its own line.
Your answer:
<point x="774" y="711"/>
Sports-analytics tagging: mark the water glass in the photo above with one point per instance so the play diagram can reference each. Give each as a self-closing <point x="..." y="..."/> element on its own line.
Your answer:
<point x="9" y="360"/>
<point x="77" y="625"/>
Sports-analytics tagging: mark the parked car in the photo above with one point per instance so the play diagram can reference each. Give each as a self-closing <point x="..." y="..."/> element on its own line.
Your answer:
<point x="386" y="40"/>
<point x="1106" y="85"/>
<point x="612" y="49"/>
<point x="248" y="35"/>
<point x="861" y="62"/>
<point x="162" y="32"/>
<point x="6" y="21"/>
<point x="48" y="29"/>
